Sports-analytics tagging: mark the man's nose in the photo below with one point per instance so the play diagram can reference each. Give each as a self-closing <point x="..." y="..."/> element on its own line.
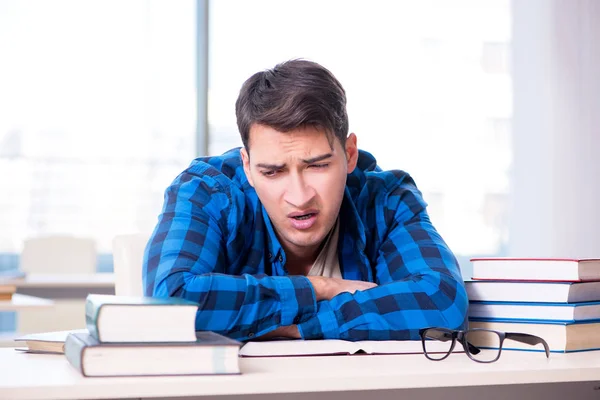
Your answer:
<point x="299" y="193"/>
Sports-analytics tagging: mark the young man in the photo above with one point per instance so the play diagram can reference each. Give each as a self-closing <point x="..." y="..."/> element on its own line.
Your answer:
<point x="299" y="234"/>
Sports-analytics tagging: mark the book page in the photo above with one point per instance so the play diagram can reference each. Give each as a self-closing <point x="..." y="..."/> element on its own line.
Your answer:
<point x="406" y="347"/>
<point x="56" y="336"/>
<point x="297" y="347"/>
<point x="392" y="346"/>
<point x="279" y="348"/>
<point x="288" y="348"/>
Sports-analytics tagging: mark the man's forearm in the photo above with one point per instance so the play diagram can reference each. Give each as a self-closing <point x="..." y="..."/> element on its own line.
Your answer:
<point x="262" y="304"/>
<point x="325" y="289"/>
<point x="395" y="311"/>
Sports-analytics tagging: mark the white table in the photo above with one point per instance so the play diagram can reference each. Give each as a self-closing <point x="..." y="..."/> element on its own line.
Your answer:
<point x="516" y="375"/>
<point x="68" y="293"/>
<point x="22" y="301"/>
<point x="99" y="280"/>
<point x="65" y="286"/>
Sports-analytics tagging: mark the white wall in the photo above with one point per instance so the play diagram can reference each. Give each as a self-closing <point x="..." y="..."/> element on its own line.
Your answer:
<point x="556" y="117"/>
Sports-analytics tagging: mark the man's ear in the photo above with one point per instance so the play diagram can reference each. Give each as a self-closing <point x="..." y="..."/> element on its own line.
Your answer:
<point x="351" y="152"/>
<point x="246" y="163"/>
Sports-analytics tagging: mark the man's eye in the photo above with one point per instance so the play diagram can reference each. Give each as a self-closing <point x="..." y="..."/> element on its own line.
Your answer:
<point x="270" y="173"/>
<point x="318" y="166"/>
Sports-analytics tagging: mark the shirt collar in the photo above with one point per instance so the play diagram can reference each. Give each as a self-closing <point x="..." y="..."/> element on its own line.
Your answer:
<point x="350" y="222"/>
<point x="274" y="249"/>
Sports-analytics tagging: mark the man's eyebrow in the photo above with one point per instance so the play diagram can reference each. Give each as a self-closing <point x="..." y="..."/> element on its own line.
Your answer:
<point x="270" y="166"/>
<point x="317" y="158"/>
<point x="307" y="161"/>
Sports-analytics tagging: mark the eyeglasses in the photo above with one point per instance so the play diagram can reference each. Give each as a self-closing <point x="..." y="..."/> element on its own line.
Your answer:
<point x="481" y="345"/>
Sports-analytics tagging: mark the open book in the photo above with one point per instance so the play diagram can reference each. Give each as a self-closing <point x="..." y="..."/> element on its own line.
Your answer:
<point x="286" y="348"/>
<point x="46" y="342"/>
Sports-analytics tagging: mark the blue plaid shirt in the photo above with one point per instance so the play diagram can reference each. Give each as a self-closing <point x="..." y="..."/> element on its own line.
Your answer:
<point x="215" y="245"/>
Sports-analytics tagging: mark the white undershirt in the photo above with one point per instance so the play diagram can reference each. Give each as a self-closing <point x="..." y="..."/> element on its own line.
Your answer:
<point x="327" y="263"/>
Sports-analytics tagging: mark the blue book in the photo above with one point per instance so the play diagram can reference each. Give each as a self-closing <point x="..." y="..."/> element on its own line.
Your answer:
<point x="562" y="337"/>
<point x="567" y="312"/>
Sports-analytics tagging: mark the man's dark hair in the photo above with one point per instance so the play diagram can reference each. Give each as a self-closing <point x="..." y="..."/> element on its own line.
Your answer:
<point x="293" y="95"/>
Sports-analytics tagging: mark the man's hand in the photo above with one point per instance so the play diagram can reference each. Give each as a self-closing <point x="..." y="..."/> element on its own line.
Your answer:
<point x="328" y="288"/>
<point x="290" y="332"/>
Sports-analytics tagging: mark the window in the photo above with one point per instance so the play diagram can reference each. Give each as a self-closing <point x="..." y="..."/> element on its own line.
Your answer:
<point x="98" y="103"/>
<point x="98" y="115"/>
<point x="428" y="88"/>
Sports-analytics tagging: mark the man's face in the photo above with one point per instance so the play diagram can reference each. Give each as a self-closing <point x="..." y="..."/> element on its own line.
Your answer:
<point x="300" y="179"/>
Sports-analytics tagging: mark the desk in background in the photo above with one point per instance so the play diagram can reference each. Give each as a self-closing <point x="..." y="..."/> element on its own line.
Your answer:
<point x="68" y="291"/>
<point x="63" y="286"/>
<point x="20" y="302"/>
<point x="24" y="302"/>
<point x="62" y="297"/>
<point x="517" y="375"/>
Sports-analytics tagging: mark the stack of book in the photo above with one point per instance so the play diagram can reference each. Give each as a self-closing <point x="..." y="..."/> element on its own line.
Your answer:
<point x="555" y="299"/>
<point x="143" y="336"/>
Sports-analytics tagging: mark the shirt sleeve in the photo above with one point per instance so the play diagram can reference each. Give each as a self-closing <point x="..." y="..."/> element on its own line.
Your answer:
<point x="420" y="284"/>
<point x="185" y="258"/>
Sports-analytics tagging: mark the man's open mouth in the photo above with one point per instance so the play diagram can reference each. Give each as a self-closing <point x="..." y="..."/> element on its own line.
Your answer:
<point x="302" y="217"/>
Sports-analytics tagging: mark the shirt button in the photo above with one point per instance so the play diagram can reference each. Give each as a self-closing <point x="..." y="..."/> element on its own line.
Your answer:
<point x="280" y="258"/>
<point x="251" y="334"/>
<point x="269" y="255"/>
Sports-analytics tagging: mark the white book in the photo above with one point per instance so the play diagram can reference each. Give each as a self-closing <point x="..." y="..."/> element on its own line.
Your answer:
<point x="560" y="336"/>
<point x="117" y="319"/>
<point x="536" y="311"/>
<point x="47" y="342"/>
<point x="211" y="353"/>
<point x="536" y="269"/>
<point x="548" y="292"/>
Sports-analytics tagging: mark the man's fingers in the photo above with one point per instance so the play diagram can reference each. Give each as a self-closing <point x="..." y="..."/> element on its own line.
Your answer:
<point x="327" y="288"/>
<point x="353" y="286"/>
<point x="367" y="285"/>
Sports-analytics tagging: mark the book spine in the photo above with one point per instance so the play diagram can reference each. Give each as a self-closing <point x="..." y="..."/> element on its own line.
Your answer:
<point x="74" y="348"/>
<point x="91" y="318"/>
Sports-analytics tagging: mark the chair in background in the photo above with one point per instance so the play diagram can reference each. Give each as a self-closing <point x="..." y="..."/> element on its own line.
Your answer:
<point x="128" y="256"/>
<point x="59" y="255"/>
<point x="56" y="255"/>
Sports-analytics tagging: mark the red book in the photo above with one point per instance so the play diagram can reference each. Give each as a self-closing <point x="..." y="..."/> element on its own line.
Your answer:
<point x="536" y="269"/>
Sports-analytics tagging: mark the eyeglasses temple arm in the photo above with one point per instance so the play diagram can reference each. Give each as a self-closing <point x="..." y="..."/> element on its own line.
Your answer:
<point x="473" y="349"/>
<point x="528" y="339"/>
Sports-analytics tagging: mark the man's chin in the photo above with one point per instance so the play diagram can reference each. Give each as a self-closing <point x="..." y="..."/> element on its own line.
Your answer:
<point x="306" y="241"/>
